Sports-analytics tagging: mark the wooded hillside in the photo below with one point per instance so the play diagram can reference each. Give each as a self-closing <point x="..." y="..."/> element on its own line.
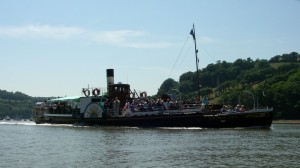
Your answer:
<point x="16" y="105"/>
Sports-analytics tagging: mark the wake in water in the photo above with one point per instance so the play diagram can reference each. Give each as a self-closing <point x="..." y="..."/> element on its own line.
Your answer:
<point x="31" y="123"/>
<point x="182" y="128"/>
<point x="13" y="122"/>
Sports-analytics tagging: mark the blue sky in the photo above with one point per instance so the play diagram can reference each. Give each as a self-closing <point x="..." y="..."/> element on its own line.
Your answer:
<point x="57" y="47"/>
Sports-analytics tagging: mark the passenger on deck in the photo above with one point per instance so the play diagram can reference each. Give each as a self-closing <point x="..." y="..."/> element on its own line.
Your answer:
<point x="167" y="104"/>
<point x="224" y="109"/>
<point x="141" y="105"/>
<point x="204" y="101"/>
<point x="158" y="104"/>
<point x="237" y="108"/>
<point x="127" y="105"/>
<point x="106" y="104"/>
<point x="132" y="108"/>
<point x="242" y="109"/>
<point x="150" y="105"/>
<point x="116" y="105"/>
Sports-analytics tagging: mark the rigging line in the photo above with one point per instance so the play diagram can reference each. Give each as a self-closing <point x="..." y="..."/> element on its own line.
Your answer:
<point x="208" y="54"/>
<point x="187" y="53"/>
<point x="179" y="55"/>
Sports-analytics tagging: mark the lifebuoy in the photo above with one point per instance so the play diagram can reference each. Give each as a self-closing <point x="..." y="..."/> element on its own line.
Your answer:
<point x="96" y="92"/>
<point x="143" y="94"/>
<point x="131" y="95"/>
<point x="86" y="92"/>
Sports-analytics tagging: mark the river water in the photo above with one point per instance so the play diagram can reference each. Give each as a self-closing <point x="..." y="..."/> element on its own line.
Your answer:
<point x="25" y="144"/>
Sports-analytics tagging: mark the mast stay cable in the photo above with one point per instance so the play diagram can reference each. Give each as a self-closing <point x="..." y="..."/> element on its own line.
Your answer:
<point x="179" y="55"/>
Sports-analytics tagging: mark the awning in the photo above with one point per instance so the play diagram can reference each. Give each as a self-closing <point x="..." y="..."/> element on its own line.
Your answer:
<point x="66" y="99"/>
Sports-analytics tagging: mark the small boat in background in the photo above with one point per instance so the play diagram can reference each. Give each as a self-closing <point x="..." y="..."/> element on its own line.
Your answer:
<point x="7" y="118"/>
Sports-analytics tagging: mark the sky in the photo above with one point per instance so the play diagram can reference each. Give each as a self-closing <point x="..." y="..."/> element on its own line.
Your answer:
<point x="57" y="47"/>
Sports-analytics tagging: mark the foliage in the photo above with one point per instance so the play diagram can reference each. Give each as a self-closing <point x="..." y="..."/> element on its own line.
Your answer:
<point x="167" y="86"/>
<point x="16" y="105"/>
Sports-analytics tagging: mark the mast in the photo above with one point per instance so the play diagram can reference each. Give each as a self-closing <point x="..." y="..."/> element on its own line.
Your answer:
<point x="193" y="33"/>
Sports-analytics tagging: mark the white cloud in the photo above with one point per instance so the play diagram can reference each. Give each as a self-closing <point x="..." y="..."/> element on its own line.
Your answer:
<point x="148" y="45"/>
<point x="127" y="38"/>
<point x="41" y="31"/>
<point x="120" y="38"/>
<point x="207" y="40"/>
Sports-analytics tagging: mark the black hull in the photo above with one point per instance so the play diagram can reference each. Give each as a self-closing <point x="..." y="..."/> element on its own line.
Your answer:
<point x="247" y="119"/>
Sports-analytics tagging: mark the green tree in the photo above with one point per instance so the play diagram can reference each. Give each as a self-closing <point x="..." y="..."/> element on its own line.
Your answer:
<point x="167" y="86"/>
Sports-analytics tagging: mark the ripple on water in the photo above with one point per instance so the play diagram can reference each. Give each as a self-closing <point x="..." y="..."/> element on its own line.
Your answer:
<point x="30" y="145"/>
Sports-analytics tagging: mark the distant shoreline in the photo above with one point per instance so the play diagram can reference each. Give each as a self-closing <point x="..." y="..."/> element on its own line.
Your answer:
<point x="286" y="122"/>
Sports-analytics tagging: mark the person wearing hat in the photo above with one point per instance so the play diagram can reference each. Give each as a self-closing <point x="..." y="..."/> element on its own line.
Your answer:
<point x="242" y="109"/>
<point x="237" y="108"/>
<point x="224" y="109"/>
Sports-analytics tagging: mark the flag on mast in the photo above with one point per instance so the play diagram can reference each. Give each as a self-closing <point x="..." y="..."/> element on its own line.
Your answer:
<point x="193" y="32"/>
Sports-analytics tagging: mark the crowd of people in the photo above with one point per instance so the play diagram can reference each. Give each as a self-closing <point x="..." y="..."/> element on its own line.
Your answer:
<point x="238" y="108"/>
<point x="136" y="105"/>
<point x="150" y="104"/>
<point x="145" y="104"/>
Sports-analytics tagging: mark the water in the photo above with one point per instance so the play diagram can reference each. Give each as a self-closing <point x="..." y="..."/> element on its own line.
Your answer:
<point x="24" y="144"/>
